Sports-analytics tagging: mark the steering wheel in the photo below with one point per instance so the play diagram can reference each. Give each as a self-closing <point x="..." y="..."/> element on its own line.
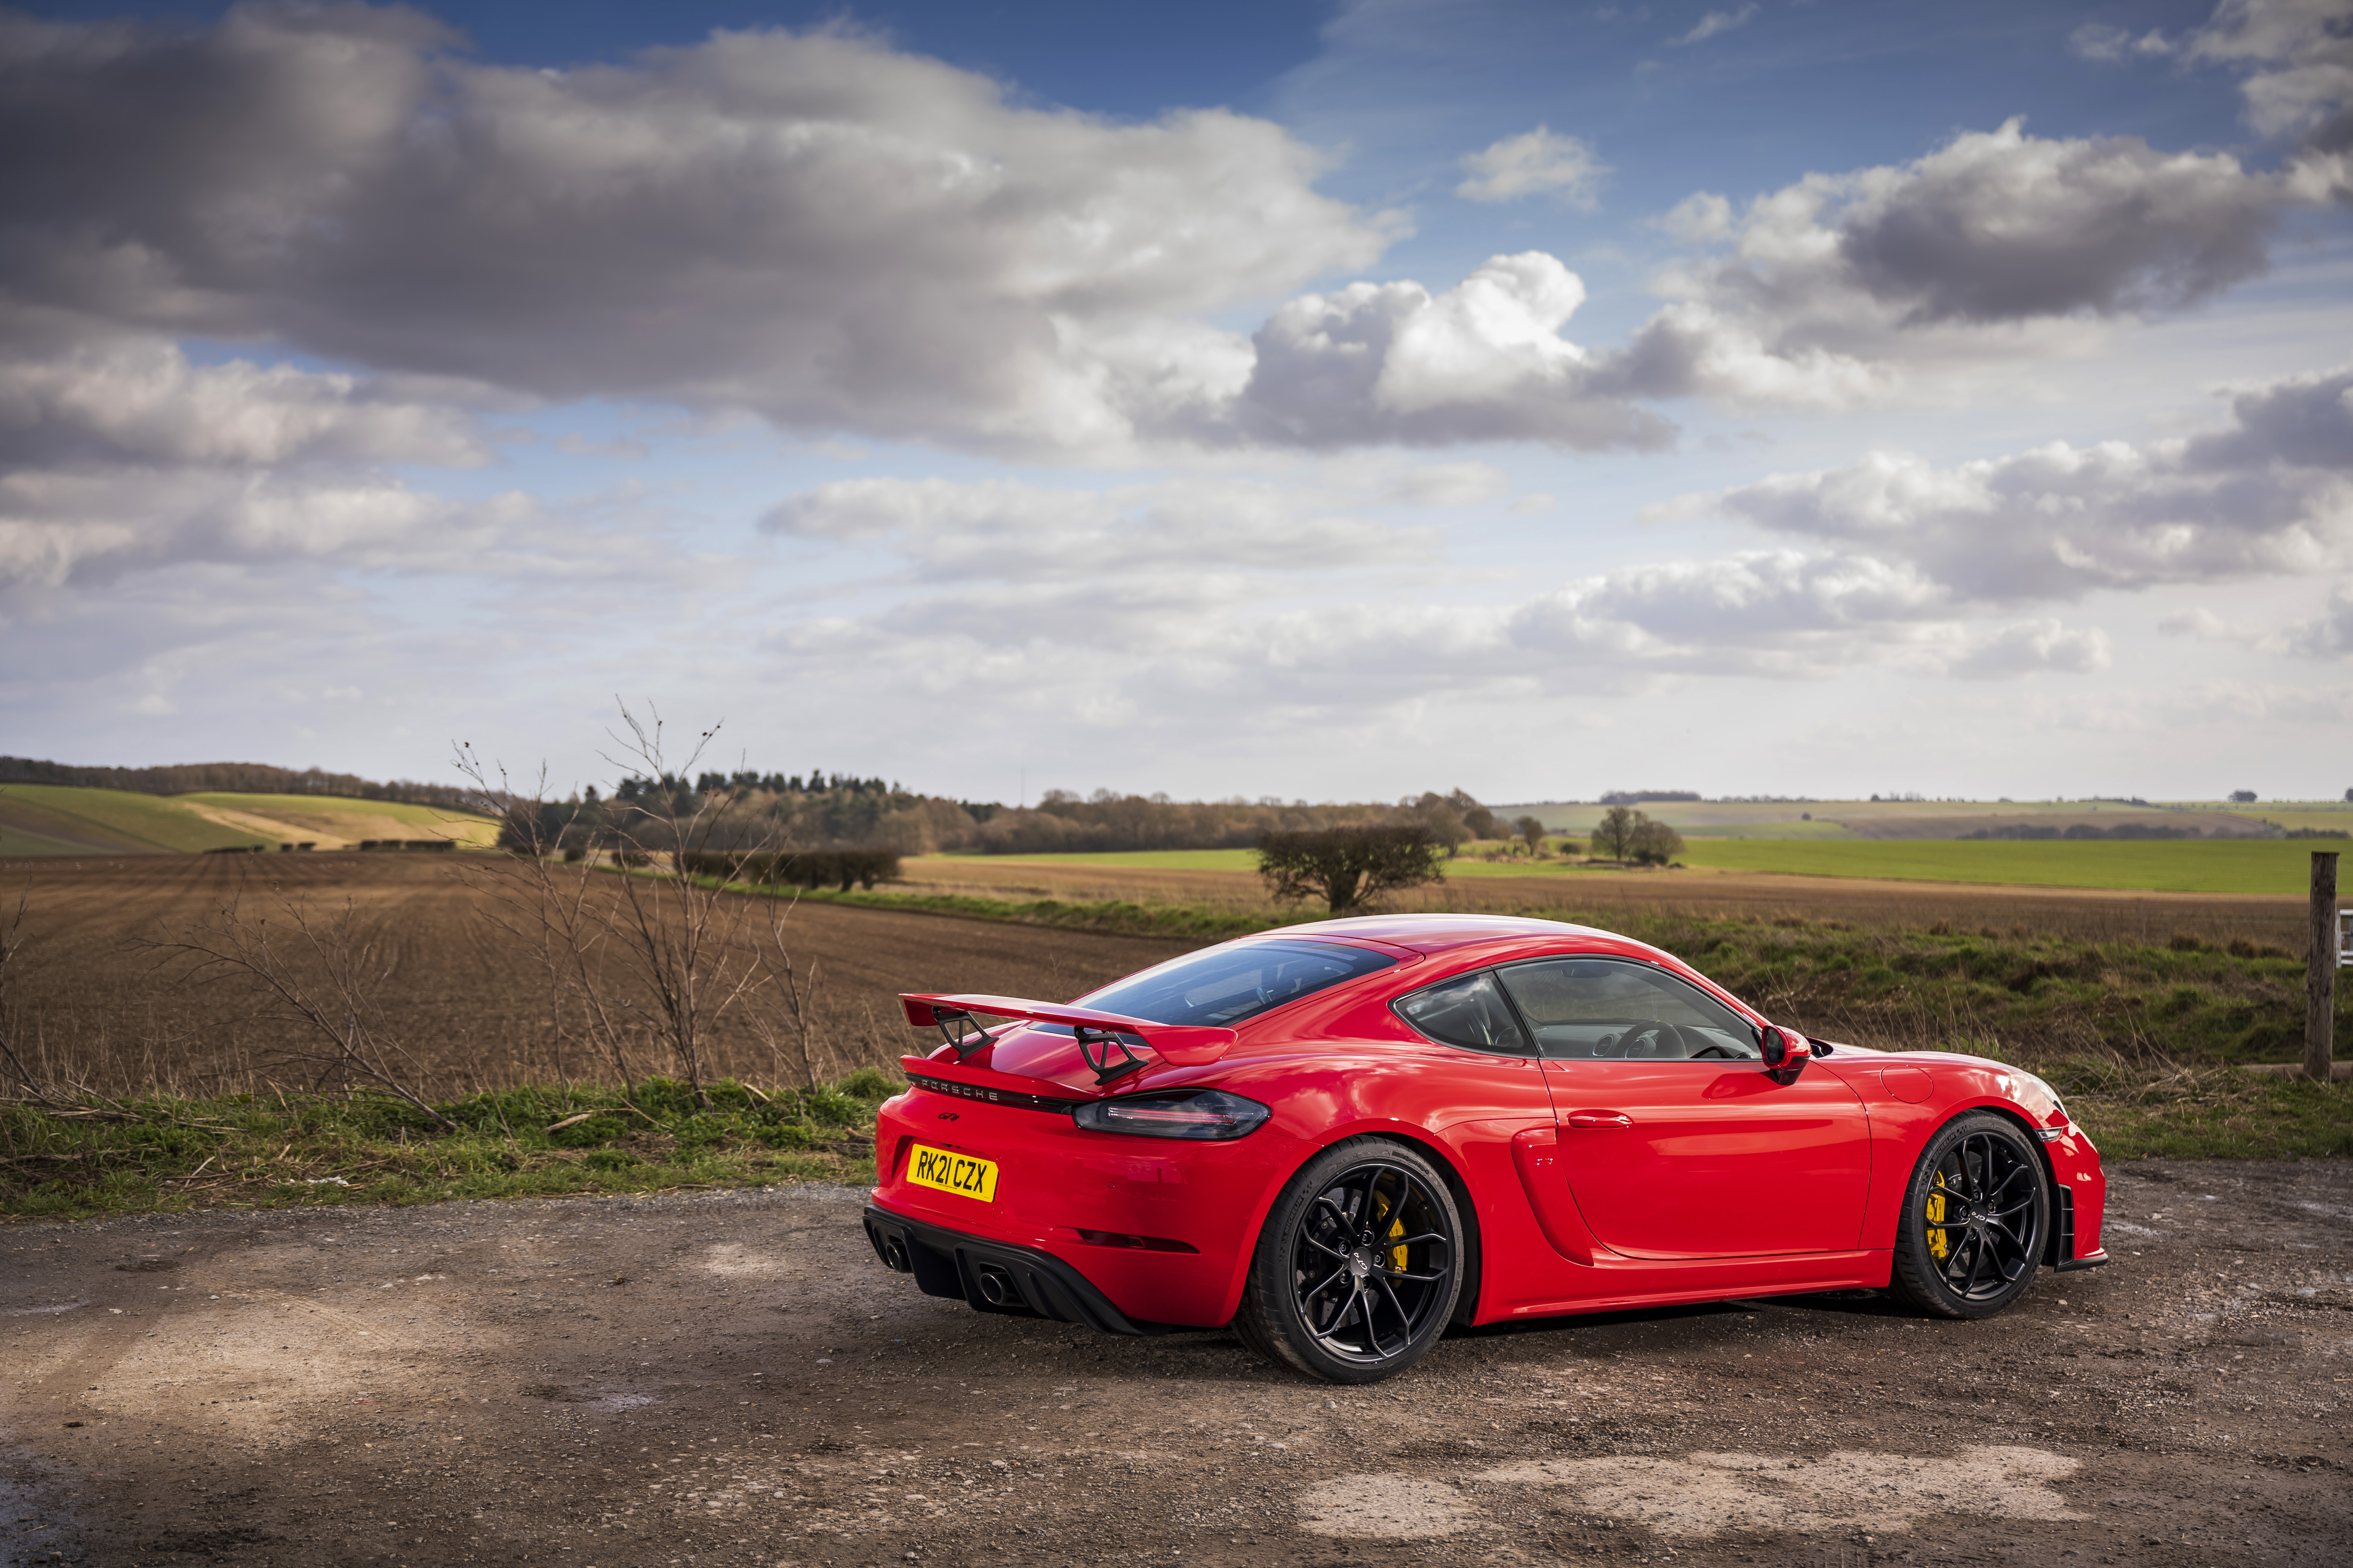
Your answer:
<point x="1654" y="1042"/>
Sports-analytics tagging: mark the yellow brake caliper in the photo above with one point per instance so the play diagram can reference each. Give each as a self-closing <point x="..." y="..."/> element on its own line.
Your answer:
<point x="1936" y="1216"/>
<point x="1397" y="1228"/>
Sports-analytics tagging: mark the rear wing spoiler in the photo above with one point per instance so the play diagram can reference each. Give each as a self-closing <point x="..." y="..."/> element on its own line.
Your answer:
<point x="1098" y="1032"/>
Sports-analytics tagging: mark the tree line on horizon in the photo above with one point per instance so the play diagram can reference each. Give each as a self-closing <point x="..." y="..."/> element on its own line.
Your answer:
<point x="827" y="811"/>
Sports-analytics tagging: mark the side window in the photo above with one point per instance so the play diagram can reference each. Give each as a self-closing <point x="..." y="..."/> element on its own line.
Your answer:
<point x="1469" y="1011"/>
<point x="1609" y="1009"/>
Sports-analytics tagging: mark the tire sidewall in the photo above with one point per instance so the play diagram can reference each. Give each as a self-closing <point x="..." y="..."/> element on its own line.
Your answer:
<point x="1270" y="1318"/>
<point x="1916" y="1269"/>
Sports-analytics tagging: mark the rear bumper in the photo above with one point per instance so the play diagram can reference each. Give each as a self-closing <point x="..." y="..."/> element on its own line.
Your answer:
<point x="955" y="1264"/>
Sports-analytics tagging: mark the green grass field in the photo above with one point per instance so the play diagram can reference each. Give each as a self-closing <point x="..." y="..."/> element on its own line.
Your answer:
<point x="352" y="818"/>
<point x="104" y="821"/>
<point x="57" y="819"/>
<point x="2205" y="866"/>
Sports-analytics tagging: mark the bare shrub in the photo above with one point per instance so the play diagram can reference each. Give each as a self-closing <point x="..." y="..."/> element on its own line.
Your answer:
<point x="636" y="940"/>
<point x="327" y="976"/>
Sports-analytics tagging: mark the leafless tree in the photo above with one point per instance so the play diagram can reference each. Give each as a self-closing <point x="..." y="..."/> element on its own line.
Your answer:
<point x="633" y="932"/>
<point x="325" y="975"/>
<point x="12" y="943"/>
<point x="556" y="911"/>
<point x="796" y="996"/>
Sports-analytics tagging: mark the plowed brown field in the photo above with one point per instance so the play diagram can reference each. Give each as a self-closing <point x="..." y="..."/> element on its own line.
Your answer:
<point x="93" y="1001"/>
<point x="95" y="1004"/>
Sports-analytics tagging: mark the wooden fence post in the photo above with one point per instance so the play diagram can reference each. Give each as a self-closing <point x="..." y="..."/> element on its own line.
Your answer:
<point x="2320" y="972"/>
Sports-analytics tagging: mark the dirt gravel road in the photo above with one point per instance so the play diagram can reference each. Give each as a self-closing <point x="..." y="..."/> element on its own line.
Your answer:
<point x="731" y="1379"/>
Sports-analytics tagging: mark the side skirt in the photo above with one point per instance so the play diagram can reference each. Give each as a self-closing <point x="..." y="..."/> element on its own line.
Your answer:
<point x="1620" y="1287"/>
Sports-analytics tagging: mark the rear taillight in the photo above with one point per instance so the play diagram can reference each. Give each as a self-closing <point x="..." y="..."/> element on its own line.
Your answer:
<point x="1202" y="1114"/>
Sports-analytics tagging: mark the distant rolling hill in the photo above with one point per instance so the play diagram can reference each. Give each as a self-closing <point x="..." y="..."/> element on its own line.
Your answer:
<point x="57" y="819"/>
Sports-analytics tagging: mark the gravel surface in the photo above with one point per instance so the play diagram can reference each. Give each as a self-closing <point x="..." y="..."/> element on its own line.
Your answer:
<point x="731" y="1379"/>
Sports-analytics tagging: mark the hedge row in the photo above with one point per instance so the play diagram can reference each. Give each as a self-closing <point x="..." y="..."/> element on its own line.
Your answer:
<point x="839" y="869"/>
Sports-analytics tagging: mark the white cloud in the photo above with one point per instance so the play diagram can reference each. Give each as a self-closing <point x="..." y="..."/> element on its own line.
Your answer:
<point x="2201" y="625"/>
<point x="2269" y="494"/>
<point x="2295" y="58"/>
<point x="1699" y="218"/>
<point x="2033" y="648"/>
<point x="1006" y="530"/>
<point x="1535" y="162"/>
<point x="141" y="400"/>
<point x="1715" y="22"/>
<point x="2328" y="634"/>
<point x="1989" y="247"/>
<point x="1485" y="361"/>
<point x="840" y="236"/>
<point x="813" y="226"/>
<point x="1449" y="485"/>
<point x="2109" y="43"/>
<point x="2298" y="55"/>
<point x="61" y="528"/>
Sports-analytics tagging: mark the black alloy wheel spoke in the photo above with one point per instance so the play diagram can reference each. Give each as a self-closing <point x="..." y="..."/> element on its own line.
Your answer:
<point x="1405" y="1321"/>
<point x="1345" y="1225"/>
<point x="1977" y="1265"/>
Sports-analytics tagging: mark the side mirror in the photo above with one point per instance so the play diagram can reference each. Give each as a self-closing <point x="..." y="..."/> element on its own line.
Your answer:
<point x="1785" y="1050"/>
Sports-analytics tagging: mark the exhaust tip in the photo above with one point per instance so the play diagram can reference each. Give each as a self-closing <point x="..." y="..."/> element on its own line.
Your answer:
<point x="996" y="1287"/>
<point x="894" y="1257"/>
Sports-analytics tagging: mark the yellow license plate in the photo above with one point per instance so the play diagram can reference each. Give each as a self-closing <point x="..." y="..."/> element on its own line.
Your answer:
<point x="960" y="1174"/>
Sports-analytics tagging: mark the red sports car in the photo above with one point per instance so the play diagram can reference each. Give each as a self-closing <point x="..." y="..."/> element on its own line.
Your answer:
<point x="1341" y="1138"/>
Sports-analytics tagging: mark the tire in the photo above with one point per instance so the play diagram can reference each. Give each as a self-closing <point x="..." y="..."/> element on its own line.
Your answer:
<point x="1343" y="1298"/>
<point x="1977" y="1213"/>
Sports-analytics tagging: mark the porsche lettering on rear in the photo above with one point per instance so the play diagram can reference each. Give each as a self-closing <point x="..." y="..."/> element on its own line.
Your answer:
<point x="1330" y="1105"/>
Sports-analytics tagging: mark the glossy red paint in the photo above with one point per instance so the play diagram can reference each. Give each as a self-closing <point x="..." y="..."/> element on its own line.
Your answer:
<point x="1586" y="1184"/>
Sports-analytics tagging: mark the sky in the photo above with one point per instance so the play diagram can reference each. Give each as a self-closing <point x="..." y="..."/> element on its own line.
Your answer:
<point x="1315" y="400"/>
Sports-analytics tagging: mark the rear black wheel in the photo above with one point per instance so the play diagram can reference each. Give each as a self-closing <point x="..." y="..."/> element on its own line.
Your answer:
<point x="1360" y="1266"/>
<point x="1976" y="1215"/>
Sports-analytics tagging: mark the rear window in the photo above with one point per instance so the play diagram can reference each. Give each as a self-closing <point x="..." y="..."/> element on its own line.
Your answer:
<point x="1220" y="986"/>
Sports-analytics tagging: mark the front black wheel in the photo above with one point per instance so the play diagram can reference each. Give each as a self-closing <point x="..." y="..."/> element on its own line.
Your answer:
<point x="1976" y="1215"/>
<point x="1358" y="1268"/>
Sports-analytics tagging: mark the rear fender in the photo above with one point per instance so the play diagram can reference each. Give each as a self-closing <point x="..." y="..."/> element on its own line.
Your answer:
<point x="1415" y="1138"/>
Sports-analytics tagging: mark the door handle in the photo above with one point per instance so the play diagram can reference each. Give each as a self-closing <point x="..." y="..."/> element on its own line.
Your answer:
<point x="1600" y="1119"/>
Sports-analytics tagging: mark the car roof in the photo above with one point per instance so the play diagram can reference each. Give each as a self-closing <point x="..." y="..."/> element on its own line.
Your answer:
<point x="1440" y="933"/>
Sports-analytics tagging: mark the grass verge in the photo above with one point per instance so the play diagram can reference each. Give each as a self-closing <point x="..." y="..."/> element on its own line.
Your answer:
<point x="248" y="1152"/>
<point x="2204" y="1113"/>
<point x="163" y="1154"/>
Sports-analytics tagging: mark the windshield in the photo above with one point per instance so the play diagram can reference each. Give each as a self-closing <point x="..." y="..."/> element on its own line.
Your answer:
<point x="1223" y="985"/>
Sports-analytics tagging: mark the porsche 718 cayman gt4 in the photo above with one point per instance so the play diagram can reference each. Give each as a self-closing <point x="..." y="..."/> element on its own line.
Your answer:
<point x="1341" y="1138"/>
